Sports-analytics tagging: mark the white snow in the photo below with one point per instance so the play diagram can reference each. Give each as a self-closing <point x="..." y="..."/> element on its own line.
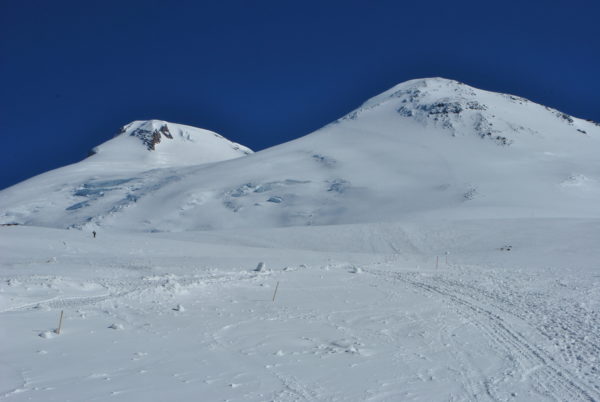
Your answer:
<point x="415" y="257"/>
<point x="353" y="319"/>
<point x="178" y="145"/>
<point x="427" y="148"/>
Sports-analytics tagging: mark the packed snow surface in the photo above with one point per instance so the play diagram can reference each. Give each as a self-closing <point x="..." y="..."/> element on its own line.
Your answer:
<point x="377" y="312"/>
<point x="439" y="243"/>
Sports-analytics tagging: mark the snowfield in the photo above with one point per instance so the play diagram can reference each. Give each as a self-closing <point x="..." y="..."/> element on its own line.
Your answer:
<point x="439" y="243"/>
<point x="162" y="316"/>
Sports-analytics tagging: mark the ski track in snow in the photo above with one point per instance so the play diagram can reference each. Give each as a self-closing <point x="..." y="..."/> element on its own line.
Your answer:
<point x="493" y="315"/>
<point x="338" y="331"/>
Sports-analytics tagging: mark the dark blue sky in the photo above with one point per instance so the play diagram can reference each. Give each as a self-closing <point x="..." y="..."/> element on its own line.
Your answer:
<point x="265" y="72"/>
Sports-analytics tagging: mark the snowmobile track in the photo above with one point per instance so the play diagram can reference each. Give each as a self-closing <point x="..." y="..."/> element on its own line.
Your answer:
<point x="550" y="378"/>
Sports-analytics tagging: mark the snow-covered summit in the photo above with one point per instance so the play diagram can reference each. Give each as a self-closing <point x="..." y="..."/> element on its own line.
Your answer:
<point x="431" y="85"/>
<point x="160" y="143"/>
<point x="463" y="110"/>
<point x="430" y="148"/>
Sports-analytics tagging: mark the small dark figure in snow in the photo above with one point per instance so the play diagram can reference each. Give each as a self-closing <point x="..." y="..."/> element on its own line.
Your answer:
<point x="94" y="233"/>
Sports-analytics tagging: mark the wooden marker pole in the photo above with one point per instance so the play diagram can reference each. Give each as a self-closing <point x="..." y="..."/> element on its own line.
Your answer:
<point x="275" y="292"/>
<point x="437" y="261"/>
<point x="60" y="322"/>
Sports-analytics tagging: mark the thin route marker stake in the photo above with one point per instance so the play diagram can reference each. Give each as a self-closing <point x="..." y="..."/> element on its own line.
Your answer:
<point x="60" y="323"/>
<point x="437" y="261"/>
<point x="275" y="292"/>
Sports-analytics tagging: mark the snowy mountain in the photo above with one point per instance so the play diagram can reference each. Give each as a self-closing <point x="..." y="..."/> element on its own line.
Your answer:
<point x="156" y="143"/>
<point x="431" y="148"/>
<point x="116" y="173"/>
<point x="439" y="243"/>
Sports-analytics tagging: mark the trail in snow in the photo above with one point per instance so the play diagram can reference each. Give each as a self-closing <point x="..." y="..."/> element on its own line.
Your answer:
<point x="162" y="317"/>
<point x="506" y="322"/>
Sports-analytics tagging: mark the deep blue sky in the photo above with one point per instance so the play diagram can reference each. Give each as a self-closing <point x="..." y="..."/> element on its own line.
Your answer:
<point x="265" y="72"/>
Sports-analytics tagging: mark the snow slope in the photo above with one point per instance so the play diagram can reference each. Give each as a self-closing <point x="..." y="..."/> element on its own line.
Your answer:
<point x="141" y="158"/>
<point x="430" y="147"/>
<point x="156" y="316"/>
<point x="439" y="243"/>
<point x="155" y="144"/>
